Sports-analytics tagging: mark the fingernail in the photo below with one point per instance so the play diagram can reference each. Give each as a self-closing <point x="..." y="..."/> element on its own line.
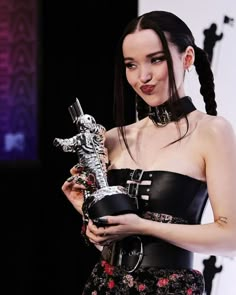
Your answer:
<point x="70" y="179"/>
<point x="77" y="165"/>
<point x="100" y="220"/>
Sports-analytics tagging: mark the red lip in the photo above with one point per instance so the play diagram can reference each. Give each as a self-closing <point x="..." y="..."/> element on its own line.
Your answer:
<point x="147" y="89"/>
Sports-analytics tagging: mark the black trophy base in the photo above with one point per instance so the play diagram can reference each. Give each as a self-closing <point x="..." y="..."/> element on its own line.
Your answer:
<point x="112" y="200"/>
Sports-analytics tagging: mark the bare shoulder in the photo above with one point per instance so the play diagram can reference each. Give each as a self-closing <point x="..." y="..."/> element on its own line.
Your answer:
<point x="216" y="126"/>
<point x="216" y="130"/>
<point x="112" y="137"/>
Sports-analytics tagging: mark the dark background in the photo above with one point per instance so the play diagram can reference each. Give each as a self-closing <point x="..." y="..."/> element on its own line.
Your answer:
<point x="44" y="249"/>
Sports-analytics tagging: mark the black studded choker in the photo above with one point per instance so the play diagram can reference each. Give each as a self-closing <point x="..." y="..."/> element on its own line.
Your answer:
<point x="163" y="114"/>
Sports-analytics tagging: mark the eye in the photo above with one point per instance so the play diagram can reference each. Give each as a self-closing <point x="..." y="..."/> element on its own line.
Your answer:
<point x="158" y="59"/>
<point x="130" y="65"/>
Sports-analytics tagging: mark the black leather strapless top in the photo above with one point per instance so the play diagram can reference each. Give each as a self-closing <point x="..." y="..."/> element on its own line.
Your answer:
<point x="168" y="192"/>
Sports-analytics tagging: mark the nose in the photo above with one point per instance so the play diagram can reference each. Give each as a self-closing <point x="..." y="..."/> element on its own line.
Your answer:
<point x="145" y="75"/>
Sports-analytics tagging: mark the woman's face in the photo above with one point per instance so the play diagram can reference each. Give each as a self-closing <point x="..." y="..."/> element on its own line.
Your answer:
<point x="146" y="66"/>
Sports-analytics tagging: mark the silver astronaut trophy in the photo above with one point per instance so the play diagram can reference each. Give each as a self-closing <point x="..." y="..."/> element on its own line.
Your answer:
<point x="88" y="143"/>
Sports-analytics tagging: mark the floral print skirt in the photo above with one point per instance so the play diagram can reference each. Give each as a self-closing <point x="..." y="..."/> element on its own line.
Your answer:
<point x="106" y="279"/>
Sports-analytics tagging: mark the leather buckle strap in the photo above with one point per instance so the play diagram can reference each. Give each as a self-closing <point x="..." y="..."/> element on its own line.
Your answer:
<point x="165" y="255"/>
<point x="132" y="253"/>
<point x="127" y="254"/>
<point x="136" y="175"/>
<point x="133" y="192"/>
<point x="133" y="187"/>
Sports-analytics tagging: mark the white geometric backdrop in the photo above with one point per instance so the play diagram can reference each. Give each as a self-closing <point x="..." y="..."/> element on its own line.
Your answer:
<point x="199" y="16"/>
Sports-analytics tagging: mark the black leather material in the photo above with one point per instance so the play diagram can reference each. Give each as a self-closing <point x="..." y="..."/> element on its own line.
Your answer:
<point x="165" y="255"/>
<point x="163" y="114"/>
<point x="169" y="193"/>
<point x="113" y="205"/>
<point x="135" y="251"/>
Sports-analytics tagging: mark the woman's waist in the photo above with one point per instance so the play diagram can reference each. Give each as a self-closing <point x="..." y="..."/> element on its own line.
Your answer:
<point x="142" y="251"/>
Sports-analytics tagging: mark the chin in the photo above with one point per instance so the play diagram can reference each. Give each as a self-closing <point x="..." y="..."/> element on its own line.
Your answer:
<point x="156" y="103"/>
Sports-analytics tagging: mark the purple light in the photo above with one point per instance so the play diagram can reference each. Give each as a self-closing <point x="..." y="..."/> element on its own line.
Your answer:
<point x="18" y="80"/>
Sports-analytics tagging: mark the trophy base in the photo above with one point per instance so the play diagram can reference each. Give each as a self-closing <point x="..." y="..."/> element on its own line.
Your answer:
<point x="110" y="200"/>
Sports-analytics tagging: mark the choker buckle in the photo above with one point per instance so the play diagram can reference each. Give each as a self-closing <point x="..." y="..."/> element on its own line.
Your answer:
<point x="160" y="117"/>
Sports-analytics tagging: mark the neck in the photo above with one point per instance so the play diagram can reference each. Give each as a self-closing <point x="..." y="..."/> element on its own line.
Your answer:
<point x="171" y="112"/>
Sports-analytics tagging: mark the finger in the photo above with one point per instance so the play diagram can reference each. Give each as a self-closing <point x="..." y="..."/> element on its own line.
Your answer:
<point x="85" y="181"/>
<point x="72" y="182"/>
<point x="73" y="191"/>
<point x="74" y="170"/>
<point x="111" y="220"/>
<point x="67" y="186"/>
<point x="96" y="233"/>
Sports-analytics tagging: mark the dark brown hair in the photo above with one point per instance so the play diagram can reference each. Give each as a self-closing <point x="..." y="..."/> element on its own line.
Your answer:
<point x="180" y="35"/>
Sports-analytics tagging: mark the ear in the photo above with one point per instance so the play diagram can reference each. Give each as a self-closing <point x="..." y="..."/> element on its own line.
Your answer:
<point x="189" y="57"/>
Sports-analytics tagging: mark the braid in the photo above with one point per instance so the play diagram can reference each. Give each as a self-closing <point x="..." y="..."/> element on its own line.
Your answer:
<point x="206" y="79"/>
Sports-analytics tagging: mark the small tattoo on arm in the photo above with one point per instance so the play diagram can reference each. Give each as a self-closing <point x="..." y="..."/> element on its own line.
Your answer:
<point x="222" y="220"/>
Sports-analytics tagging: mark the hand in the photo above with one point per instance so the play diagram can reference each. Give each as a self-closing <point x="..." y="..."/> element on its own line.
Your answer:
<point x="75" y="185"/>
<point x="117" y="228"/>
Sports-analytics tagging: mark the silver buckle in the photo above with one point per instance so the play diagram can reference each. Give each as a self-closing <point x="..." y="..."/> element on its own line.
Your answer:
<point x="137" y="175"/>
<point x="139" y="254"/>
<point x="133" y="191"/>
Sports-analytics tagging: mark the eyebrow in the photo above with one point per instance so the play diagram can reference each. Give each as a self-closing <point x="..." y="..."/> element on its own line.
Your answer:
<point x="149" y="55"/>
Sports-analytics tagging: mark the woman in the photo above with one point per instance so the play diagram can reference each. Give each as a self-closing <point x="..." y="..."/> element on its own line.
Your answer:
<point x="170" y="160"/>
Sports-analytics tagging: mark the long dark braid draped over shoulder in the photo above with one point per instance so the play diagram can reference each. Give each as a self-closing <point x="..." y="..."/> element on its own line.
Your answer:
<point x="206" y="79"/>
<point x="207" y="86"/>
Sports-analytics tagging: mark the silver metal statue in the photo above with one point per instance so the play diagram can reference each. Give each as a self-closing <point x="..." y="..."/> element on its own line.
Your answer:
<point x="88" y="143"/>
<point x="89" y="146"/>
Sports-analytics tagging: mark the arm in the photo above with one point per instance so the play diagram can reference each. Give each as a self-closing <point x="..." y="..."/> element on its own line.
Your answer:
<point x="219" y="37"/>
<point x="218" y="149"/>
<point x="218" y="237"/>
<point x="74" y="191"/>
